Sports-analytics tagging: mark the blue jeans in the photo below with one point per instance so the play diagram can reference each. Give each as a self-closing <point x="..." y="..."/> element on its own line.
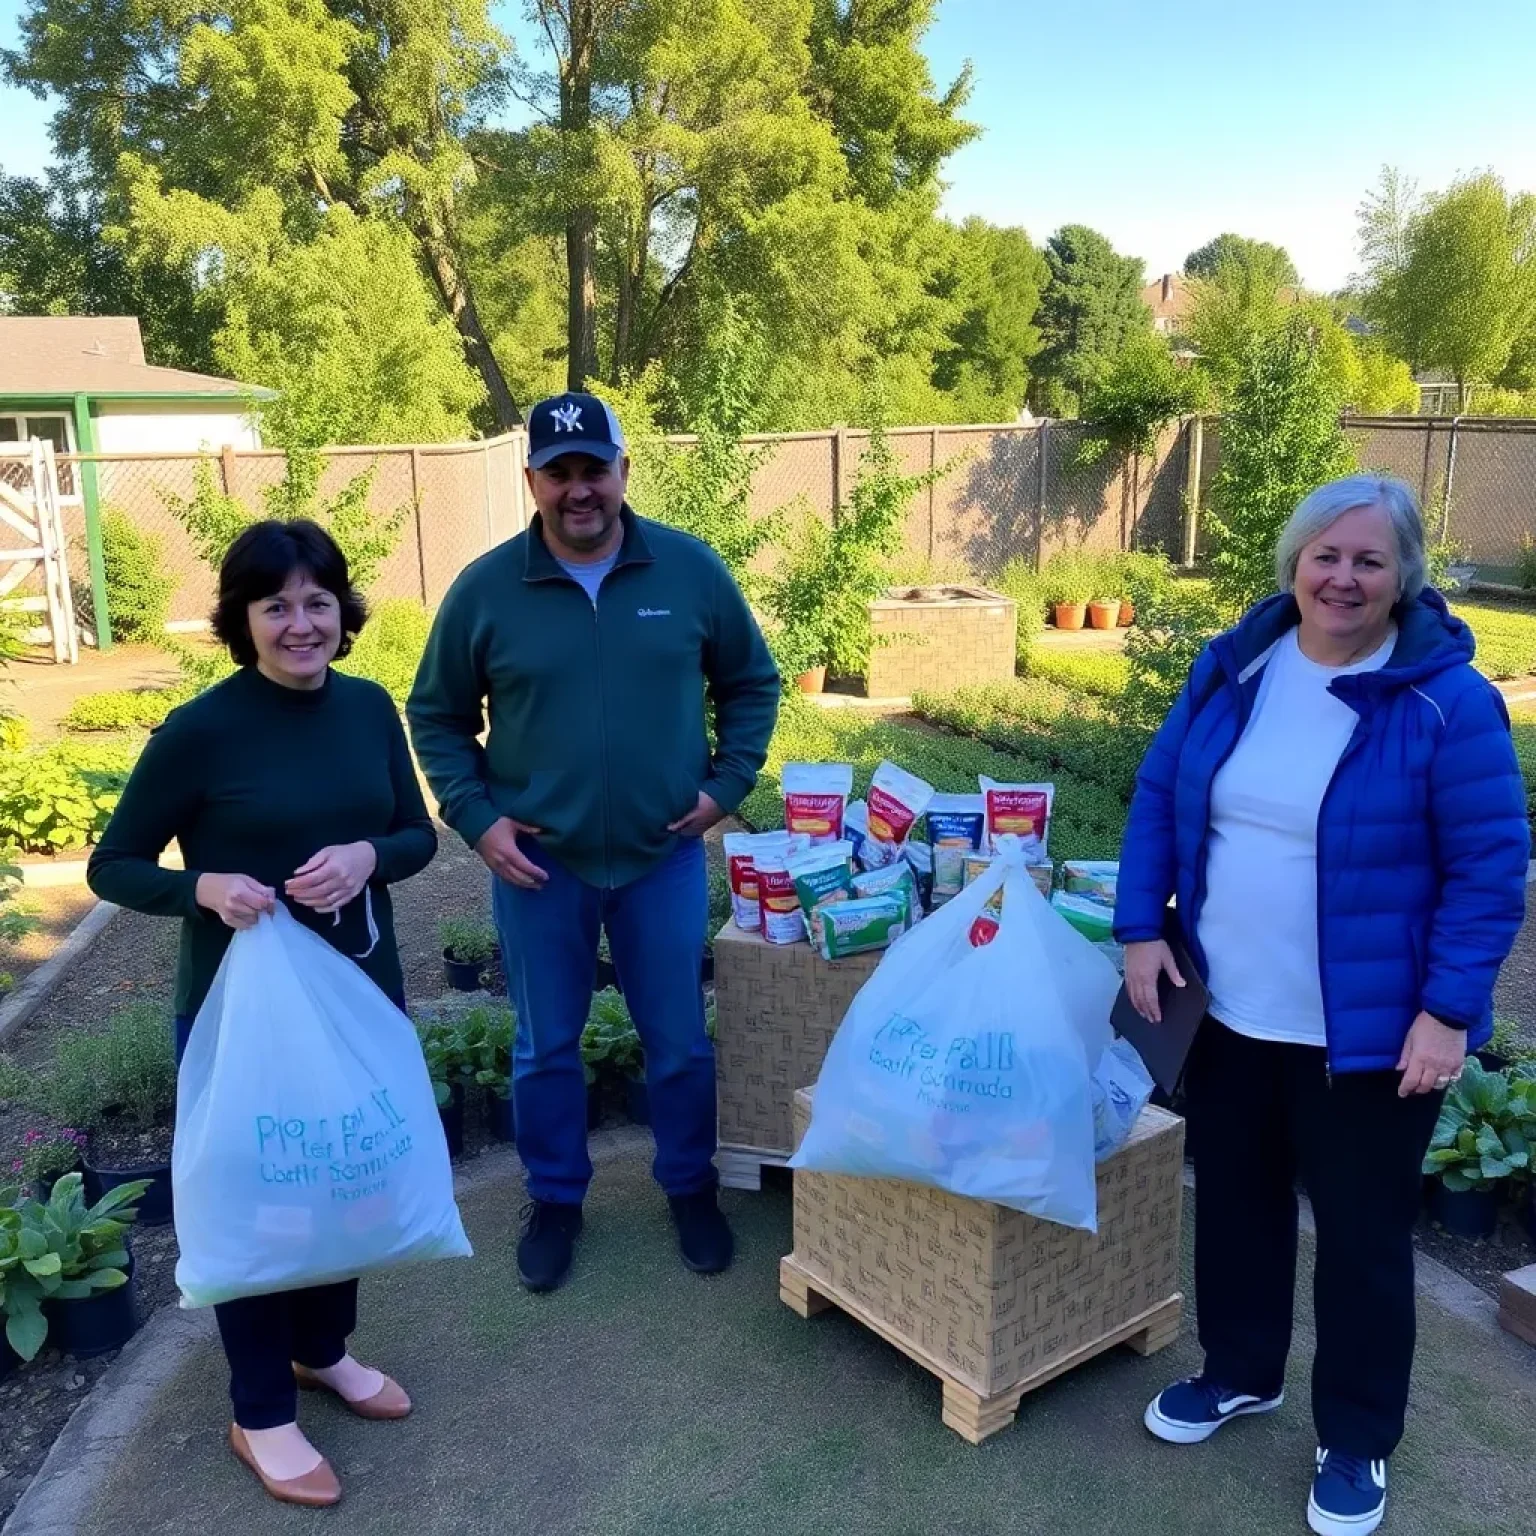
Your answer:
<point x="655" y="928"/>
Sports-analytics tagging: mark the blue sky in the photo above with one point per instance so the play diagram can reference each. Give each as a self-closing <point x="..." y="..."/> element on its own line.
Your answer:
<point x="1163" y="124"/>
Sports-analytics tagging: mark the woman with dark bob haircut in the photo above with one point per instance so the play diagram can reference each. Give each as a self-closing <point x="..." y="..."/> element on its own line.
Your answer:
<point x="287" y="781"/>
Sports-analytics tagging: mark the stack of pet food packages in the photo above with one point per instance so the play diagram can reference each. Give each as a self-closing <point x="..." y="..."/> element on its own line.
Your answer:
<point x="855" y="876"/>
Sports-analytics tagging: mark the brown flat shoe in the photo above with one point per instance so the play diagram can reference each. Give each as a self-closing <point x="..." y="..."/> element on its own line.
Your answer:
<point x="389" y="1402"/>
<point x="317" y="1488"/>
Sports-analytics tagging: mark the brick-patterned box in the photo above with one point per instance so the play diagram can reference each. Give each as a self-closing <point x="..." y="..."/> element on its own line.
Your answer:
<point x="777" y="1007"/>
<point x="992" y="1301"/>
<point x="938" y="639"/>
<point x="1517" y="1303"/>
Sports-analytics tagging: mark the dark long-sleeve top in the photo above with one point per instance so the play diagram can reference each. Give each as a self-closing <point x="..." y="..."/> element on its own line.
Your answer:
<point x="252" y="778"/>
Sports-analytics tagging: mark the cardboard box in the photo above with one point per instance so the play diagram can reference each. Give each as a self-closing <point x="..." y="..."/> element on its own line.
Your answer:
<point x="992" y="1301"/>
<point x="777" y="1007"/>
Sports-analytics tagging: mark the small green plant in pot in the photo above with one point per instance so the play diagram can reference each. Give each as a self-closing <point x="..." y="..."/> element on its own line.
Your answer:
<point x="610" y="1051"/>
<point x="1069" y="582"/>
<point x="47" y="1156"/>
<point x="65" y="1268"/>
<point x="485" y="1052"/>
<point x="442" y="1050"/>
<point x="469" y="949"/>
<point x="1481" y="1139"/>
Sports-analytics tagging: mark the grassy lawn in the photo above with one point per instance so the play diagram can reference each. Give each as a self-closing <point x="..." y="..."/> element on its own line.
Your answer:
<point x="1506" y="638"/>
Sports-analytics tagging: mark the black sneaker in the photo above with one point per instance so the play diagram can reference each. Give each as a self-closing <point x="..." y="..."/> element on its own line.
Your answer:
<point x="544" y="1252"/>
<point x="703" y="1233"/>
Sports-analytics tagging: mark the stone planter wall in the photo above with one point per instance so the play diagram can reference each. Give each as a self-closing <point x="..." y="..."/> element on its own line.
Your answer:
<point x="936" y="639"/>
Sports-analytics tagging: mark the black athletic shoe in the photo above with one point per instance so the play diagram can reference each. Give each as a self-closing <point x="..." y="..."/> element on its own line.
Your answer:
<point x="544" y="1252"/>
<point x="703" y="1233"/>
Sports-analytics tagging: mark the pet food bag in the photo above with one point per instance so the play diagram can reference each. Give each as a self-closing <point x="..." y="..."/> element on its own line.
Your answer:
<point x="969" y="1069"/>
<point x="308" y="1145"/>
<point x="816" y="798"/>
<point x="1022" y="811"/>
<point x="896" y="800"/>
<point x="741" y="852"/>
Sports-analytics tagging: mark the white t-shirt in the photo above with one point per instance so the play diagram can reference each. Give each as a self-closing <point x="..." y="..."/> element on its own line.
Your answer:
<point x="1258" y="926"/>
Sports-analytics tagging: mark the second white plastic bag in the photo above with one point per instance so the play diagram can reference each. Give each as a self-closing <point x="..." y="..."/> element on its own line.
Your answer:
<point x="308" y="1145"/>
<point x="969" y="1068"/>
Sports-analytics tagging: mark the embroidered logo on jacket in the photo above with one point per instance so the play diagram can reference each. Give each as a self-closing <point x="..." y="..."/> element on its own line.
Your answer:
<point x="653" y="613"/>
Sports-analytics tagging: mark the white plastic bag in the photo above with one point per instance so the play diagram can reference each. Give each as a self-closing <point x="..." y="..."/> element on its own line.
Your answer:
<point x="968" y="1068"/>
<point x="308" y="1145"/>
<point x="1121" y="1087"/>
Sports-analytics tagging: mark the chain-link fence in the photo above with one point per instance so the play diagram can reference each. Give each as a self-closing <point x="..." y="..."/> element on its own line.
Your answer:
<point x="1475" y="477"/>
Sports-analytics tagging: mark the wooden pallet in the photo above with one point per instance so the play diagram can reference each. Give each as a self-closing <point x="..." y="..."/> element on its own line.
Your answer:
<point x="742" y="1167"/>
<point x="971" y="1414"/>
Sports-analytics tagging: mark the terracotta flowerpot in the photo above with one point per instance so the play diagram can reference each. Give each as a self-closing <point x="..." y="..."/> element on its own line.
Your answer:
<point x="813" y="681"/>
<point x="1102" y="615"/>
<point x="1070" y="615"/>
<point x="1127" y="613"/>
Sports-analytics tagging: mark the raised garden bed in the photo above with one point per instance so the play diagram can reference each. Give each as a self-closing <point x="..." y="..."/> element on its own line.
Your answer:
<point x="939" y="638"/>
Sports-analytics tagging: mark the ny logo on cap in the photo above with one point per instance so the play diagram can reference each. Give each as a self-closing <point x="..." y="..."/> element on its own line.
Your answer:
<point x="567" y="417"/>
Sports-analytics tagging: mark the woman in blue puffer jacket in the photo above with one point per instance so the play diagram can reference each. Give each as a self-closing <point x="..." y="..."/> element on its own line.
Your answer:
<point x="1335" y="803"/>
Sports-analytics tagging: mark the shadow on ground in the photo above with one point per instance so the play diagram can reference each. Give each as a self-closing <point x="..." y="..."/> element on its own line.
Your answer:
<point x="641" y="1399"/>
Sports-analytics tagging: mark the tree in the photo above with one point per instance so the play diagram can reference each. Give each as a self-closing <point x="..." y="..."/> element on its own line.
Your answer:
<point x="1382" y="221"/>
<point x="1090" y="307"/>
<point x="277" y="112"/>
<point x="1258" y="260"/>
<point x="1133" y="399"/>
<point x="1464" y="290"/>
<point x="994" y="282"/>
<point x="1280" y="439"/>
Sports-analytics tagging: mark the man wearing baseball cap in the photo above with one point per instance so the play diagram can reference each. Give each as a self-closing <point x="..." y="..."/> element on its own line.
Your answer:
<point x="591" y="641"/>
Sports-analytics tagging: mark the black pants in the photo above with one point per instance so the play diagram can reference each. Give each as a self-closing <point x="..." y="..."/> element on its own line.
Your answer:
<point x="265" y="1335"/>
<point x="1262" y="1115"/>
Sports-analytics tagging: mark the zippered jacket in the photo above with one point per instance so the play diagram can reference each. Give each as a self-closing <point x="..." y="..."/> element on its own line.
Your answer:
<point x="1422" y="842"/>
<point x="597" y="712"/>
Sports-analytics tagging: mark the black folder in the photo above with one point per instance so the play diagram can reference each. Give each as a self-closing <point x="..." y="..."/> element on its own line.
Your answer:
<point x="1165" y="1047"/>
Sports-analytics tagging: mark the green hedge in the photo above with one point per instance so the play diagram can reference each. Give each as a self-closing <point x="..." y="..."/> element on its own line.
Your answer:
<point x="1102" y="673"/>
<point x="1506" y="638"/>
<point x="122" y="709"/>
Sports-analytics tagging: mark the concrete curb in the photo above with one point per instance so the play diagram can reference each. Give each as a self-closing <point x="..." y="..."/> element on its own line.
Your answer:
<point x="77" y="1466"/>
<point x="39" y="986"/>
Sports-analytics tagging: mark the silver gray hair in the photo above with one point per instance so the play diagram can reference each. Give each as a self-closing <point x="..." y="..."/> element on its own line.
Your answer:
<point x="1320" y="510"/>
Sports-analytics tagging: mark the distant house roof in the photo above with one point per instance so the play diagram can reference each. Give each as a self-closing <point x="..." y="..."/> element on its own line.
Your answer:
<point x="47" y="355"/>
<point x="1170" y="298"/>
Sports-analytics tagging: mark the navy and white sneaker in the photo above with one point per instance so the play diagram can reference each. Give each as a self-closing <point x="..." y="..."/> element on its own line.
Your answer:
<point x="1349" y="1495"/>
<point x="1191" y="1411"/>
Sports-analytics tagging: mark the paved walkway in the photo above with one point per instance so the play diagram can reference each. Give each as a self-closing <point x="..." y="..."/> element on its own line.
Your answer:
<point x="642" y="1401"/>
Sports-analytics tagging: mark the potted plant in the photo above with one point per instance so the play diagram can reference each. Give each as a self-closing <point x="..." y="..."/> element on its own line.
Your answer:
<point x="485" y="1050"/>
<point x="119" y="1085"/>
<point x="1480" y="1139"/>
<point x="607" y="1044"/>
<point x="1068" y="581"/>
<point x="798" y="604"/>
<point x="1104" y="613"/>
<point x="47" y="1156"/>
<point x="469" y="947"/>
<point x="445" y="1067"/>
<point x="65" y="1269"/>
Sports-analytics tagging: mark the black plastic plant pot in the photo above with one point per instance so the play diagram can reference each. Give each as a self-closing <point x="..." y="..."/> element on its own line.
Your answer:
<point x="503" y="1118"/>
<point x="452" y="1116"/>
<point x="637" y="1101"/>
<point x="464" y="975"/>
<point x="707" y="971"/>
<point x="9" y="1359"/>
<point x="1470" y="1213"/>
<point x="94" y="1326"/>
<point x="154" y="1206"/>
<point x="1491" y="1061"/>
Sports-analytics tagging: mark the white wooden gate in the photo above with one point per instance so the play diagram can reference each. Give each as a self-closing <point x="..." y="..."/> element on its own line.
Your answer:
<point x="32" y="539"/>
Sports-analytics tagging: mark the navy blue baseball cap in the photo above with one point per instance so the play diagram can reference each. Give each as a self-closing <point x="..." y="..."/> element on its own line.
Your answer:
<point x="573" y="423"/>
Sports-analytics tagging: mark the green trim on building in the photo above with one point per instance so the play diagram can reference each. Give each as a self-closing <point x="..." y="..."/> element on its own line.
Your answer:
<point x="90" y="498"/>
<point x="158" y="396"/>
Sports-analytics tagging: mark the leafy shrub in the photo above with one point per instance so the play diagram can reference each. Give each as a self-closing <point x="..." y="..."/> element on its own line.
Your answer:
<point x="1145" y="576"/>
<point x="125" y="1074"/>
<point x="467" y="939"/>
<point x="60" y="796"/>
<point x="1484" y="1133"/>
<point x="471" y="1047"/>
<point x="14" y="732"/>
<point x="1104" y="674"/>
<point x="121" y="709"/>
<point x="1525" y="563"/>
<point x="389" y="646"/>
<point x="1071" y="576"/>
<point x="46" y="1155"/>
<point x="1166" y="642"/>
<point x="1022" y="582"/>
<point x="16" y="922"/>
<point x="610" y="1039"/>
<point x="138" y="586"/>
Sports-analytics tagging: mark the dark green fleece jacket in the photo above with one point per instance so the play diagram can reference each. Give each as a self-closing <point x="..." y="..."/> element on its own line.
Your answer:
<point x="597" y="711"/>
